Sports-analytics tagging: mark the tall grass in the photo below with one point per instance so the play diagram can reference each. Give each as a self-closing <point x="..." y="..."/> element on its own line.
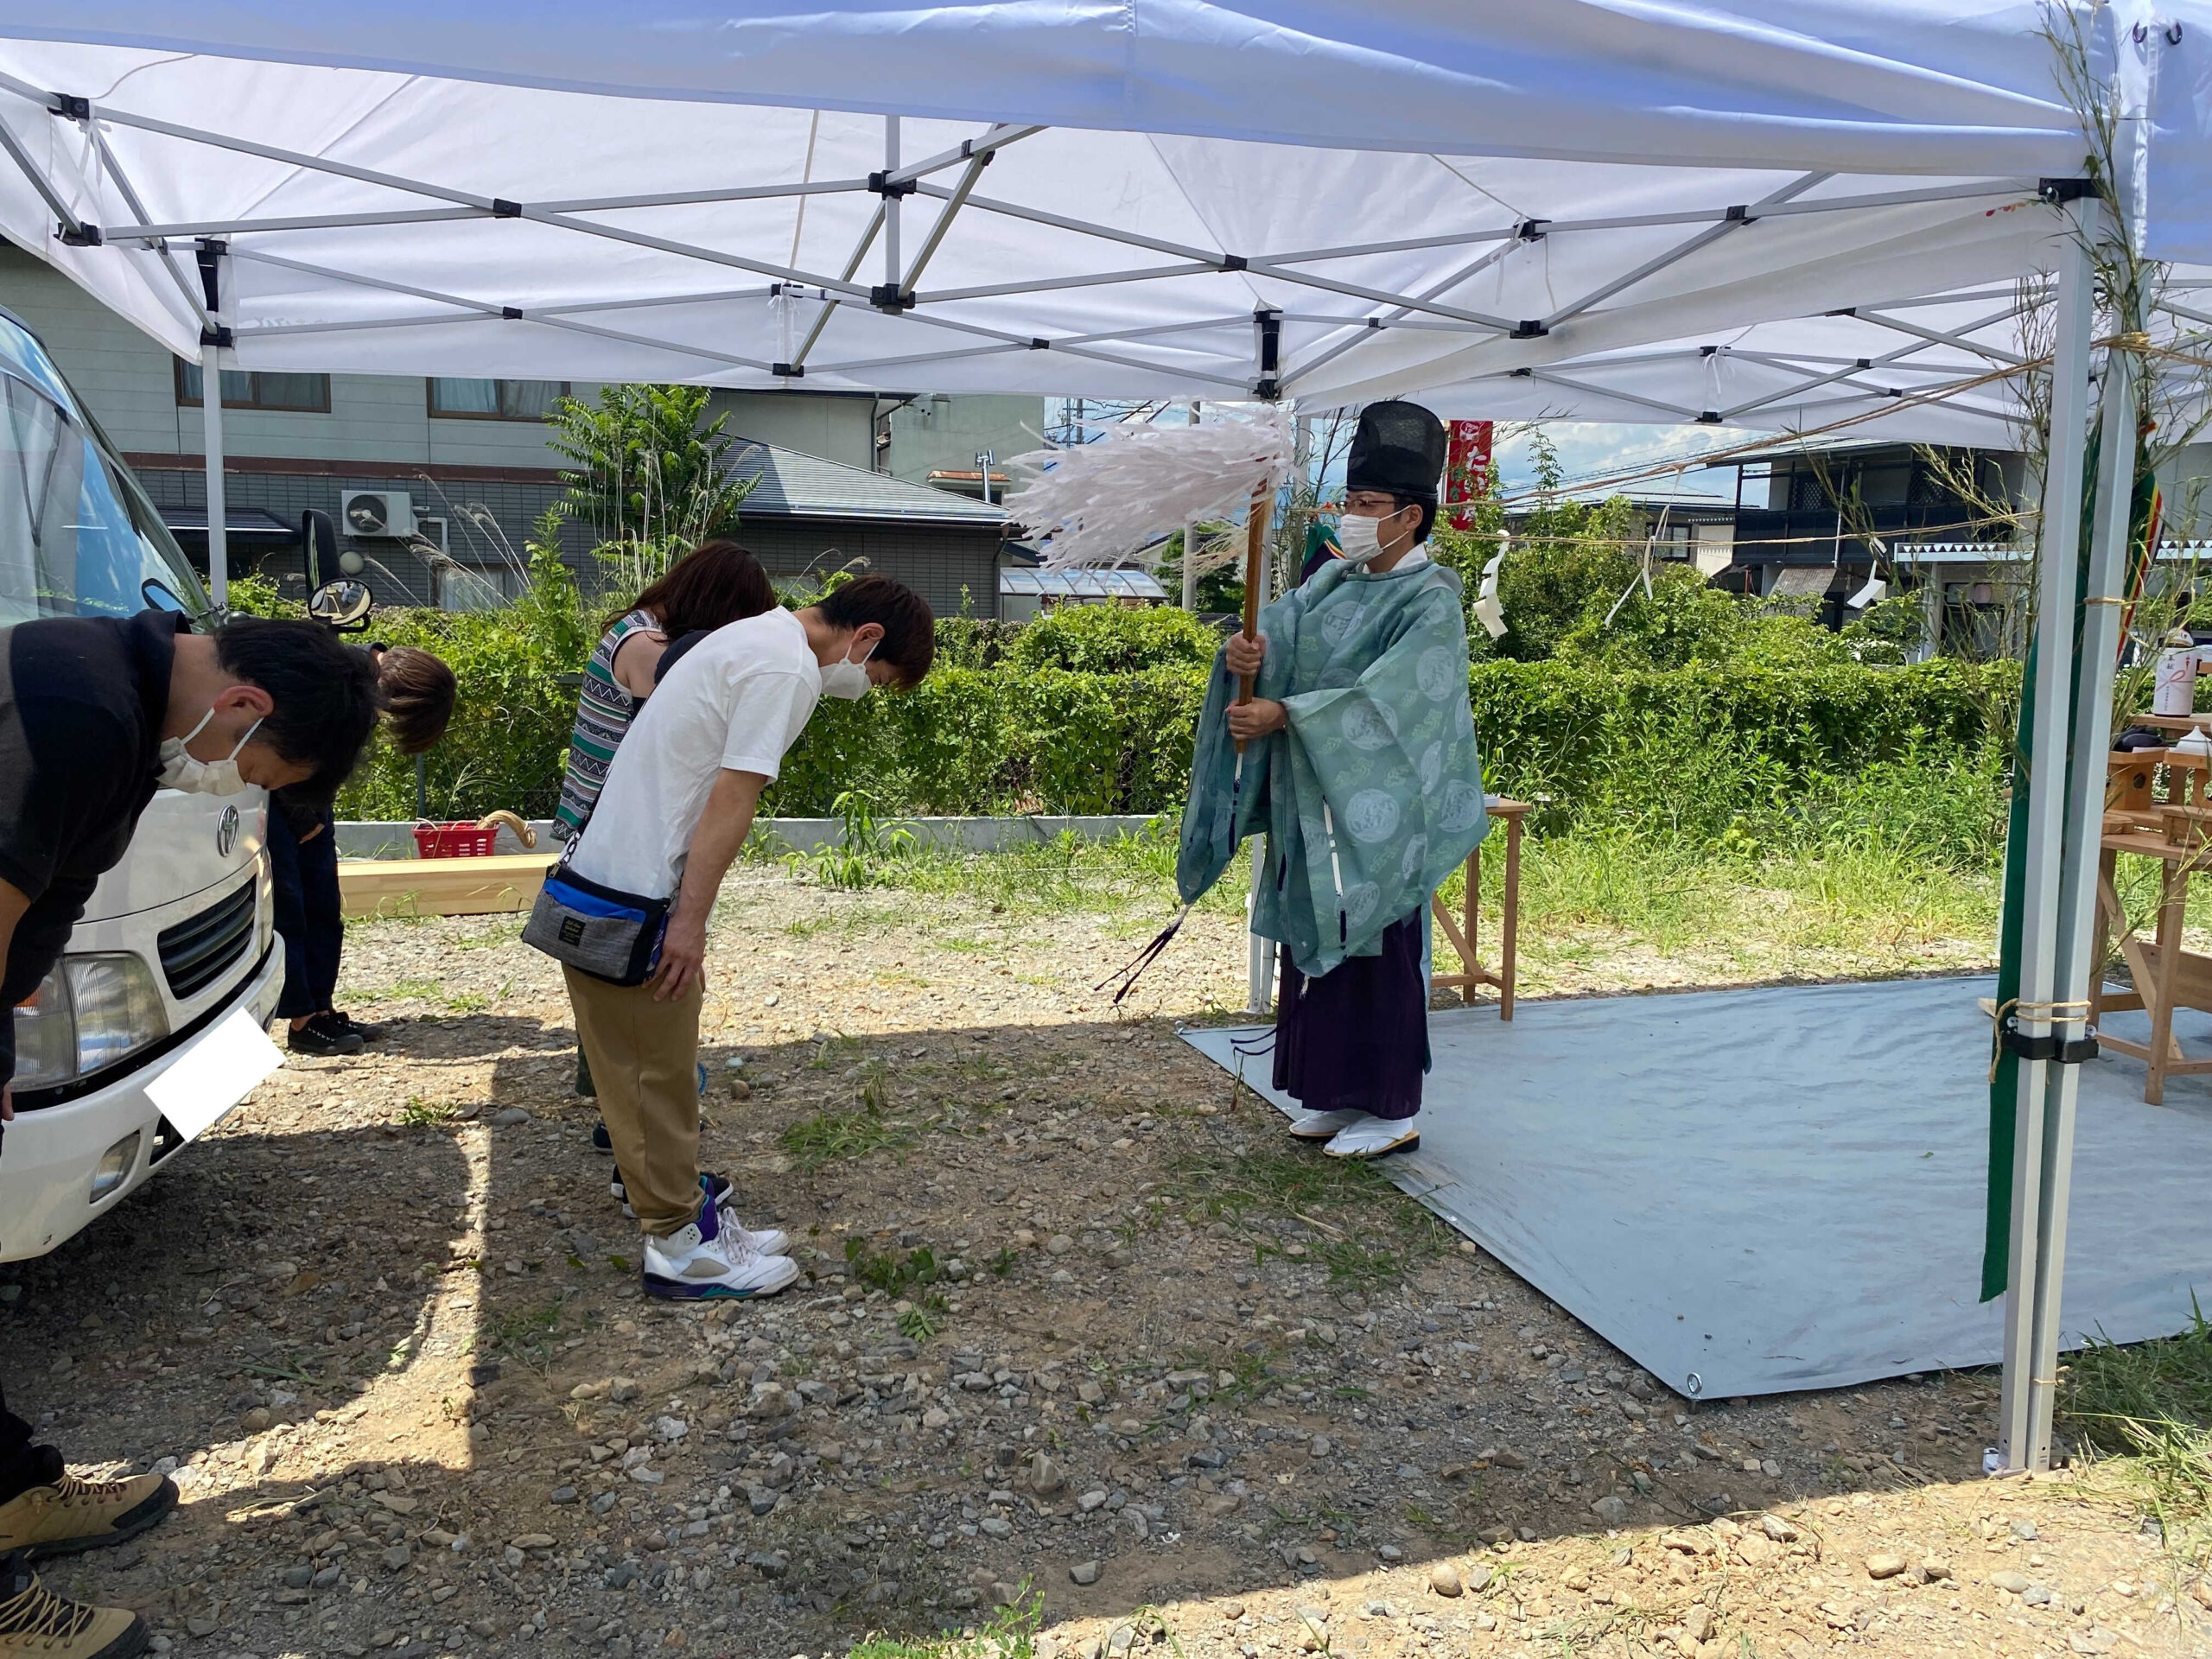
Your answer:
<point x="2151" y="1402"/>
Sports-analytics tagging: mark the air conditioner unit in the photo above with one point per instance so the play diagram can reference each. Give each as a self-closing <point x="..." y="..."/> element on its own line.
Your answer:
<point x="377" y="513"/>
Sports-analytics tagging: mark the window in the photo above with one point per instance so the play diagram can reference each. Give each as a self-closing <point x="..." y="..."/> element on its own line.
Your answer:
<point x="251" y="389"/>
<point x="495" y="400"/>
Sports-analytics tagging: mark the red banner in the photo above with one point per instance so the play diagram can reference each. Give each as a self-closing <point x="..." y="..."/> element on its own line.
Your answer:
<point x="1466" y="470"/>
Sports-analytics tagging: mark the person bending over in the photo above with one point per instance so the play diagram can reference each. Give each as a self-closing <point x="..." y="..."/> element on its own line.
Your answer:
<point x="416" y="691"/>
<point x="672" y="816"/>
<point x="95" y="715"/>
<point x="717" y="583"/>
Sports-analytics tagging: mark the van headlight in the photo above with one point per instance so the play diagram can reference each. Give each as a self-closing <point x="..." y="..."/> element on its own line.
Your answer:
<point x="92" y="1011"/>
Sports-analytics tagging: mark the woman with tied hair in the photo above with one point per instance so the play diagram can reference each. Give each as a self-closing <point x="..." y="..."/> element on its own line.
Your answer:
<point x="717" y="583"/>
<point x="415" y="697"/>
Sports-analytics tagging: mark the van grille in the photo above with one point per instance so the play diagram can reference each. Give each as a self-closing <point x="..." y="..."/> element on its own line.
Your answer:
<point x="197" y="950"/>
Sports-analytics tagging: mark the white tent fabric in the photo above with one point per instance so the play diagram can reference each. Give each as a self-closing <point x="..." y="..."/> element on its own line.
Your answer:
<point x="636" y="194"/>
<point x="1940" y="368"/>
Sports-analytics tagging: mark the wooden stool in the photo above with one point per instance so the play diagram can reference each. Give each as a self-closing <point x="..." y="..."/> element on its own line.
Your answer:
<point x="2178" y="832"/>
<point x="1462" y="935"/>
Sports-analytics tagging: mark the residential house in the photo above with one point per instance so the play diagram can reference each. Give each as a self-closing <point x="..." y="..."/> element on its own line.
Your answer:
<point x="843" y="476"/>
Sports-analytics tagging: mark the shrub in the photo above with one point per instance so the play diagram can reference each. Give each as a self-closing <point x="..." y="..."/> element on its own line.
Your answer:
<point x="1108" y="639"/>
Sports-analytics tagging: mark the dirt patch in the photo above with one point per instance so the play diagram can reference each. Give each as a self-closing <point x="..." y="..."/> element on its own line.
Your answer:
<point x="1075" y="1317"/>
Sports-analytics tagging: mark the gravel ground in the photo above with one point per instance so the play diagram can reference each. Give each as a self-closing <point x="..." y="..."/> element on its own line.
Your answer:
<point x="1075" y="1324"/>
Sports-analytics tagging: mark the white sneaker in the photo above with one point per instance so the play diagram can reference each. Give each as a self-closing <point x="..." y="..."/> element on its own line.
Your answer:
<point x="1320" y="1126"/>
<point x="1373" y="1137"/>
<point x="702" y="1262"/>
<point x="774" y="1241"/>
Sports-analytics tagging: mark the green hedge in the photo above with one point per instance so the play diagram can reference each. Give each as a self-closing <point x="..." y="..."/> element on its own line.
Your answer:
<point x="1700" y="751"/>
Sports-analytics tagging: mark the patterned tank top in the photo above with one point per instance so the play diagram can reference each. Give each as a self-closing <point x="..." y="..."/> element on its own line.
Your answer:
<point x="603" y="715"/>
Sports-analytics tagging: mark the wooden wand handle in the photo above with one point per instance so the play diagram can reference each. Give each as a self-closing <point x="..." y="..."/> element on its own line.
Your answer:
<point x="1256" y="548"/>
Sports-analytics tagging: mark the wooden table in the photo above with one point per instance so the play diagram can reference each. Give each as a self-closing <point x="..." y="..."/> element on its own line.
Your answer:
<point x="1463" y="932"/>
<point x="2178" y="832"/>
<point x="441" y="886"/>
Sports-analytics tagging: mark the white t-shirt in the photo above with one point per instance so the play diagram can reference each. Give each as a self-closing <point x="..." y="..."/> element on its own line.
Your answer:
<point x="735" y="702"/>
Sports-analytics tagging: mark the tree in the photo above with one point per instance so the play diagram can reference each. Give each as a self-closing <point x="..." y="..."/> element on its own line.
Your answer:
<point x="649" y="468"/>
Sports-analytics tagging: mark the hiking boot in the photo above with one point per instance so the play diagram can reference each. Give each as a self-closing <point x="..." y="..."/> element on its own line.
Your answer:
<point x="322" y="1034"/>
<point x="74" y="1515"/>
<point x="703" y="1261"/>
<point x="33" y="1620"/>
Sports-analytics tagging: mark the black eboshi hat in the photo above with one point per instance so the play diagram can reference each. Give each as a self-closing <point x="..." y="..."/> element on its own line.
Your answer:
<point x="1399" y="448"/>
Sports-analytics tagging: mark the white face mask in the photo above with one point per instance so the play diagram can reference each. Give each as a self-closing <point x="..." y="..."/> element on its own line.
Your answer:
<point x="1360" y="538"/>
<point x="848" y="679"/>
<point x="180" y="771"/>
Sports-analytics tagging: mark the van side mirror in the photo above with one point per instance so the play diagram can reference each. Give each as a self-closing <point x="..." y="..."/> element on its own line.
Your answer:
<point x="342" y="605"/>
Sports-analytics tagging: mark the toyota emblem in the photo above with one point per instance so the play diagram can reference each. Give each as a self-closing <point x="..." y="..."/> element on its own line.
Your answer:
<point x="227" y="832"/>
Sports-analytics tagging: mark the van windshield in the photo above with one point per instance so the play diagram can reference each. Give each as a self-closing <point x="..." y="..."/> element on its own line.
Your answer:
<point x="78" y="537"/>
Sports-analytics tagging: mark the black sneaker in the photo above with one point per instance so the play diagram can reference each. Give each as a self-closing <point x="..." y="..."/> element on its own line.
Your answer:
<point x="322" y="1034"/>
<point x="361" y="1028"/>
<point x="601" y="1141"/>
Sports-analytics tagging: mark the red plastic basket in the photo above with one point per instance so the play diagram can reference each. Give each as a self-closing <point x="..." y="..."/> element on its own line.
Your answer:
<point x="454" y="840"/>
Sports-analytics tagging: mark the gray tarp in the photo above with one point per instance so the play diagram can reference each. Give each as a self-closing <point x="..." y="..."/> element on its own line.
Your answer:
<point x="1755" y="1191"/>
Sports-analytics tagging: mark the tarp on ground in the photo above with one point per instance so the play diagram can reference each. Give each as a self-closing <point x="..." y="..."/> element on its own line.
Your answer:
<point x="1421" y="191"/>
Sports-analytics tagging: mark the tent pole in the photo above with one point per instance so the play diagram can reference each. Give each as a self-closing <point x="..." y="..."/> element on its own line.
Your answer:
<point x="890" y="203"/>
<point x="216" y="278"/>
<point x="2060" y="539"/>
<point x="2077" y="890"/>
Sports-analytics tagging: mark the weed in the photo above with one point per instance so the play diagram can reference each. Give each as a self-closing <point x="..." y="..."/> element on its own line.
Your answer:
<point x="416" y="990"/>
<point x="834" y="1137"/>
<point x="421" y="1114"/>
<point x="863" y="846"/>
<point x="1003" y="1263"/>
<point x="892" y="1272"/>
<point x="469" y="1002"/>
<point x="1010" y="1633"/>
<point x="2151" y="1402"/>
<point x="1251" y="1190"/>
<point x="525" y="1333"/>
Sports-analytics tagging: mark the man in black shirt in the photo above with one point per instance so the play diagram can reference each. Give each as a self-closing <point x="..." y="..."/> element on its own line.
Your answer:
<point x="95" y="715"/>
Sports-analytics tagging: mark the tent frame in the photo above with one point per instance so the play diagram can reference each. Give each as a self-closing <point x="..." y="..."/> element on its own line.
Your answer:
<point x="2062" y="799"/>
<point x="900" y="295"/>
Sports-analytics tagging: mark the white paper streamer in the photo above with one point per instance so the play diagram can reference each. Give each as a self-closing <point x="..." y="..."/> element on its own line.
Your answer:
<point x="1111" y="502"/>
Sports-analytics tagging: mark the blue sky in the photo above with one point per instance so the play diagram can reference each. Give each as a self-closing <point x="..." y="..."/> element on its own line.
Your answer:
<point x="1589" y="448"/>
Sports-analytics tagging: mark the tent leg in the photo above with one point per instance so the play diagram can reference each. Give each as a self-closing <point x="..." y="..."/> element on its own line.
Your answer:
<point x="210" y="426"/>
<point x="2027" y="1386"/>
<point x="2077" y="890"/>
<point x="215" y="274"/>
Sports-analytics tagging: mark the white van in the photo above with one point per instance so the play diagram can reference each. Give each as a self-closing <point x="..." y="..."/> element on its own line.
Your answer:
<point x="180" y="934"/>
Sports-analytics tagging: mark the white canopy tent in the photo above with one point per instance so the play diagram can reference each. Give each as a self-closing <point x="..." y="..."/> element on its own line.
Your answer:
<point x="1157" y="198"/>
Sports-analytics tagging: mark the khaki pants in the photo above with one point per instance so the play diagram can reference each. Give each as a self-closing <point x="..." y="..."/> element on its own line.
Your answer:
<point x="645" y="1058"/>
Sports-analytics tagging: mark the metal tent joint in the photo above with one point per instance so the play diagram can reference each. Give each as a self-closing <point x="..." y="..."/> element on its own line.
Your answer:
<point x="502" y="208"/>
<point x="510" y="313"/>
<point x="891" y="189"/>
<point x="1529" y="329"/>
<point x="2058" y="191"/>
<point x="2061" y="1050"/>
<point x="85" y="235"/>
<point x="788" y="371"/>
<point x="220" y="336"/>
<point x="891" y="297"/>
<point x="71" y="106"/>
